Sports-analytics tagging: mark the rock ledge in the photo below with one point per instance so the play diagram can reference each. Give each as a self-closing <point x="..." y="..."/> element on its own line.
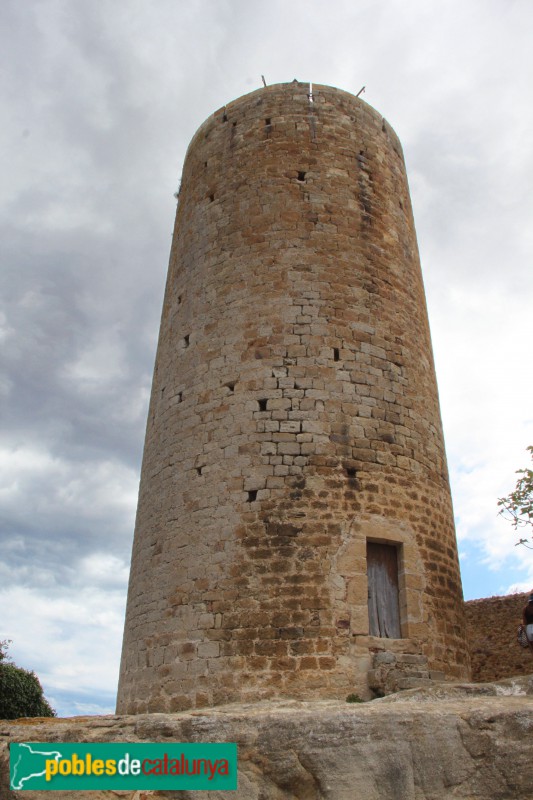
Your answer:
<point x="448" y="741"/>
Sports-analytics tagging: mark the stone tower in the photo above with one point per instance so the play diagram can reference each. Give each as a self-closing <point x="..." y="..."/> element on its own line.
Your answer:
<point x="294" y="514"/>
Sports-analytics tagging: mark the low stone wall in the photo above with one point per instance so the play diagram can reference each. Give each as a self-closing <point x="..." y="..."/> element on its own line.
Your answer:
<point x="491" y="631"/>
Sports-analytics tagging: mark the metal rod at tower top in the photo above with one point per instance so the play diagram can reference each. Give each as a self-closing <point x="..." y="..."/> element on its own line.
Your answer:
<point x="294" y="523"/>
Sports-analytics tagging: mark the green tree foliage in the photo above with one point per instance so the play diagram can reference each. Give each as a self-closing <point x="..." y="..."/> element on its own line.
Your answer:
<point x="21" y="694"/>
<point x="518" y="505"/>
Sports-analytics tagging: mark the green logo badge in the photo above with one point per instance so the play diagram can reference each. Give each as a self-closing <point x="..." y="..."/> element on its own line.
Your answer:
<point x="58" y="766"/>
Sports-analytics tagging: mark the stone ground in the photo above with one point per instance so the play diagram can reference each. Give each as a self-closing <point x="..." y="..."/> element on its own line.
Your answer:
<point x="449" y="741"/>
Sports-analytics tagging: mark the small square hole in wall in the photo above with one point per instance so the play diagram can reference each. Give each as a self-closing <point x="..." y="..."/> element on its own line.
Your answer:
<point x="351" y="474"/>
<point x="224" y="117"/>
<point x="186" y="340"/>
<point x="180" y="397"/>
<point x="263" y="404"/>
<point x="268" y="121"/>
<point x="199" y="470"/>
<point x="211" y="198"/>
<point x="336" y="354"/>
<point x="301" y="176"/>
<point x="231" y="385"/>
<point x="252" y="495"/>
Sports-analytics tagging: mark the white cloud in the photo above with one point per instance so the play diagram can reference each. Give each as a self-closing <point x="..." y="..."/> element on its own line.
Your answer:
<point x="98" y="365"/>
<point x="93" y="490"/>
<point x="525" y="585"/>
<point x="71" y="639"/>
<point x="103" y="568"/>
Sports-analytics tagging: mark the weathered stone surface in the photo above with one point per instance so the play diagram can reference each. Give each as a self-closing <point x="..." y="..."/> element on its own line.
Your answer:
<point x="491" y="631"/>
<point x="458" y="741"/>
<point x="394" y="671"/>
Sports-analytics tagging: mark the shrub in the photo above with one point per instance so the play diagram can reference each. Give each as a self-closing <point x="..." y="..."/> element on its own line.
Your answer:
<point x="21" y="694"/>
<point x="353" y="698"/>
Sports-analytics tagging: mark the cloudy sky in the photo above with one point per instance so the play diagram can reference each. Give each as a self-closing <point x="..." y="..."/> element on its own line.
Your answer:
<point x="99" y="101"/>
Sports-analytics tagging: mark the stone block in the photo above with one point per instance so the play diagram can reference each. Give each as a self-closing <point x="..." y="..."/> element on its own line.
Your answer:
<point x="208" y="649"/>
<point x="385" y="658"/>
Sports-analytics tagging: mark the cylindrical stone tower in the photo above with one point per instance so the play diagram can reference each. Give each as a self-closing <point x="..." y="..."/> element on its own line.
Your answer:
<point x="294" y="514"/>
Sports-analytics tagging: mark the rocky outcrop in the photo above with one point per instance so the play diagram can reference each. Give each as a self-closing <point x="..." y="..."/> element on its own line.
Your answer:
<point x="450" y="741"/>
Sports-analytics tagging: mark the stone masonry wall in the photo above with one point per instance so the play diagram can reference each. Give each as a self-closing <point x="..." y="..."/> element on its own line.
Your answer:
<point x="294" y="417"/>
<point x="492" y="623"/>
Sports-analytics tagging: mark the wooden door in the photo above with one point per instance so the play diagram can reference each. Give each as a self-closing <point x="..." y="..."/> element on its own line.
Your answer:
<point x="383" y="597"/>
